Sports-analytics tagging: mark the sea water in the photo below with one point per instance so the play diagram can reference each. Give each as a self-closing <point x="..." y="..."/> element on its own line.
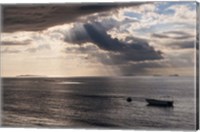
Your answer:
<point x="98" y="102"/>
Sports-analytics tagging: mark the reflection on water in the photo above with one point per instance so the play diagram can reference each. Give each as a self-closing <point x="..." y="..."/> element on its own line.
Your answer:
<point x="70" y="82"/>
<point x="97" y="102"/>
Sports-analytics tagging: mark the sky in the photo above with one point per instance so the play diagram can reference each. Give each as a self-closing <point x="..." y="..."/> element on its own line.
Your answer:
<point x="113" y="39"/>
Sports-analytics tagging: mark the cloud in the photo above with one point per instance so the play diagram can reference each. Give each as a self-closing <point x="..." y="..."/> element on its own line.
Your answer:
<point x="40" y="47"/>
<point x="40" y="17"/>
<point x="181" y="58"/>
<point x="11" y="43"/>
<point x="119" y="51"/>
<point x="158" y="19"/>
<point x="172" y="35"/>
<point x="131" y="40"/>
<point x="93" y="54"/>
<point x="141" y="68"/>
<point x="182" y="44"/>
<point x="10" y="51"/>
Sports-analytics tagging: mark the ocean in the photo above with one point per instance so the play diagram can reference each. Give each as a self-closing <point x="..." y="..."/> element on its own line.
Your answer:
<point x="99" y="102"/>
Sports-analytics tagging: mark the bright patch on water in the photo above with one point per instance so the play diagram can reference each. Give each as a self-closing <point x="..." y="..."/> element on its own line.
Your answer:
<point x="70" y="82"/>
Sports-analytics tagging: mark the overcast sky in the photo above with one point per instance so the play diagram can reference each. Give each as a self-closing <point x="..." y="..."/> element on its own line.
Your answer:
<point x="99" y="39"/>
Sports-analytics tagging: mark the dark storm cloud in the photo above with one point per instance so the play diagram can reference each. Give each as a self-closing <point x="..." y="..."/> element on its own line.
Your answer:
<point x="126" y="67"/>
<point x="132" y="56"/>
<point x="40" y="17"/>
<point x="176" y="35"/>
<point x="99" y="36"/>
<point x="118" y="51"/>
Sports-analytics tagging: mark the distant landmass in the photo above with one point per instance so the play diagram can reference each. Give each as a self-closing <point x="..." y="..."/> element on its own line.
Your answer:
<point x="29" y="76"/>
<point x="174" y="75"/>
<point x="157" y="75"/>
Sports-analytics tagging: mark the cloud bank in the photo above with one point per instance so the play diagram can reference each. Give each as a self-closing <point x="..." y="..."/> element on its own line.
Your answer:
<point x="40" y="17"/>
<point x="133" y="38"/>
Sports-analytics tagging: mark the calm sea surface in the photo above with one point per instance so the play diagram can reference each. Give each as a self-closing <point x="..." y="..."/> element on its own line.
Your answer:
<point x="98" y="102"/>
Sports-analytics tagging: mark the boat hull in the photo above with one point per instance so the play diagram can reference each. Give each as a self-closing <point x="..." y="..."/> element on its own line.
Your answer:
<point x="154" y="102"/>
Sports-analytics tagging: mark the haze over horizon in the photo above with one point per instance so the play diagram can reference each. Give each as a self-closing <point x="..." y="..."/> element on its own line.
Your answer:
<point x="155" y="38"/>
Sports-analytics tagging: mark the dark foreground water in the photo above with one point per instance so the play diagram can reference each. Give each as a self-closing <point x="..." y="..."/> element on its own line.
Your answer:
<point x="100" y="102"/>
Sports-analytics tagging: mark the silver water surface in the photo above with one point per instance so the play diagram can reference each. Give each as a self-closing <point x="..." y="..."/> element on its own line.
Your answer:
<point x="90" y="102"/>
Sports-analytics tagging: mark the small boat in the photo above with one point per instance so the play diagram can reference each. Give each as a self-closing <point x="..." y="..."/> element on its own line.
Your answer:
<point x="129" y="99"/>
<point x="156" y="102"/>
